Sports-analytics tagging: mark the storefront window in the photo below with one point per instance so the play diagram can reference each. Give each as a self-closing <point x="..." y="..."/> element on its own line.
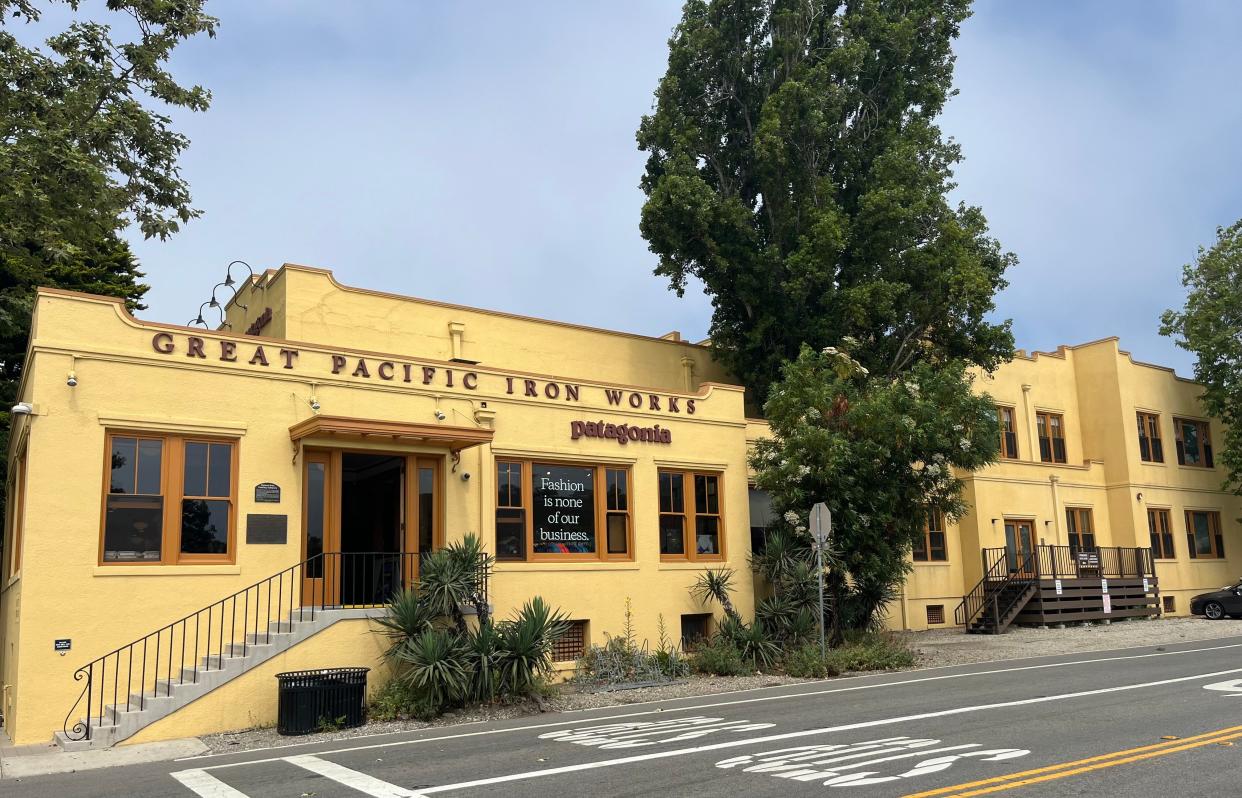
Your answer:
<point x="134" y="515"/>
<point x="153" y="517"/>
<point x="682" y="511"/>
<point x="555" y="510"/>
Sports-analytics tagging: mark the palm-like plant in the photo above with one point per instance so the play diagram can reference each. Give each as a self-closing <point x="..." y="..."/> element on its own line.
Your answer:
<point x="406" y="617"/>
<point x="436" y="667"/>
<point x="716" y="585"/>
<point x="484" y="654"/>
<point x="527" y="645"/>
<point x="445" y="583"/>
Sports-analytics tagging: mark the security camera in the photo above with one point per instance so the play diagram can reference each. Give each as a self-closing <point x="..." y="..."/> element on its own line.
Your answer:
<point x="314" y="403"/>
<point x="440" y="415"/>
<point x="72" y="382"/>
<point x="465" y="477"/>
<point x="22" y="409"/>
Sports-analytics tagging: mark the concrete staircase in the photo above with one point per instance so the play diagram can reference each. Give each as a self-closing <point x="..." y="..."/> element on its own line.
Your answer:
<point x="121" y="722"/>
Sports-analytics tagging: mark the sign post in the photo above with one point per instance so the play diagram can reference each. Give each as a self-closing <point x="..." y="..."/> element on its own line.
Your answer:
<point x="821" y="533"/>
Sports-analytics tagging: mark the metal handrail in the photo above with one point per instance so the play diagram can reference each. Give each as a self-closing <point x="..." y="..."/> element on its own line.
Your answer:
<point x="974" y="601"/>
<point x="201" y="641"/>
<point x="1024" y="574"/>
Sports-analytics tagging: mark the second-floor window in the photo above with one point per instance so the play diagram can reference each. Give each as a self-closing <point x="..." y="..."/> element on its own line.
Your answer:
<point x="1194" y="443"/>
<point x="1161" y="534"/>
<point x="1081" y="528"/>
<point x="1151" y="448"/>
<point x="1008" y="432"/>
<point x="930" y="546"/>
<point x="1203" y="534"/>
<point x="1051" y="428"/>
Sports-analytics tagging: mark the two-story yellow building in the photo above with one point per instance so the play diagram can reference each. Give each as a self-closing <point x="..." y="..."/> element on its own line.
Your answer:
<point x="192" y="511"/>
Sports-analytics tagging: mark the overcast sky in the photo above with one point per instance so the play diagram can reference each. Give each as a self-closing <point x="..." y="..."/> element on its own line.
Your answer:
<point x="484" y="154"/>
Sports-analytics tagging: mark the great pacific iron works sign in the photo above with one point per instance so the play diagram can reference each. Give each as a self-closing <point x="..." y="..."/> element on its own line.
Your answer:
<point x="272" y="356"/>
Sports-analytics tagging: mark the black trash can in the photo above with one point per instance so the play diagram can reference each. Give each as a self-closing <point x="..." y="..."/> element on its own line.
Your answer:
<point x="314" y="700"/>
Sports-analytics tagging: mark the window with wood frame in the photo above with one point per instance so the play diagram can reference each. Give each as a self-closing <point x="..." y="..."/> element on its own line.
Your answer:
<point x="17" y="515"/>
<point x="1051" y="431"/>
<point x="1161" y="529"/>
<point x="1151" y="448"/>
<point x="562" y="511"/>
<point x="931" y="545"/>
<point x="1081" y="528"/>
<point x="1008" y="432"/>
<point x="691" y="517"/>
<point x="169" y="499"/>
<point x="1203" y="534"/>
<point x="1194" y="443"/>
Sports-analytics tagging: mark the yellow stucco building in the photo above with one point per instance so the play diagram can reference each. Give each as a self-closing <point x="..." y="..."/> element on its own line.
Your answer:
<point x="192" y="511"/>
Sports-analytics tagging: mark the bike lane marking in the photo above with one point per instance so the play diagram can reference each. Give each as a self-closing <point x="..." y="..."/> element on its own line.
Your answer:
<point x="1076" y="767"/>
<point x="693" y="707"/>
<point x="654" y="755"/>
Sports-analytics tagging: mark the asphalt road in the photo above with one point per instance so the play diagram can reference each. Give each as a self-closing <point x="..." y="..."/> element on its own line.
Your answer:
<point x="1135" y="722"/>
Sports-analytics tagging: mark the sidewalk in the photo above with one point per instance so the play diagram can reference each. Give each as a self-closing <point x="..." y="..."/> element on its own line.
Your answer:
<point x="23" y="761"/>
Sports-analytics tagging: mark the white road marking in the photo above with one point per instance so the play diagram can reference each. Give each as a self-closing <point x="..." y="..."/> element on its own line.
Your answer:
<point x="693" y="707"/>
<point x="868" y="724"/>
<point x="636" y="734"/>
<point x="203" y="784"/>
<point x="352" y="778"/>
<point x="807" y="762"/>
<point x="1233" y="687"/>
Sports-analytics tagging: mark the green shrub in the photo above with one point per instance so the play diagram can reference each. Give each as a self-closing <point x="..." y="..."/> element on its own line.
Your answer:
<point x="753" y="642"/>
<point x="806" y="663"/>
<point x="719" y="657"/>
<point x="871" y="652"/>
<point x="398" y="700"/>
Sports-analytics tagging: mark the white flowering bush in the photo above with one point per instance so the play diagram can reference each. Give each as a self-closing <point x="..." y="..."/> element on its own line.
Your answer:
<point x="882" y="452"/>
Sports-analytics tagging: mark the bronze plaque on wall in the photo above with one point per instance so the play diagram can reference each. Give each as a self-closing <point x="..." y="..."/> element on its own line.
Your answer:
<point x="267" y="528"/>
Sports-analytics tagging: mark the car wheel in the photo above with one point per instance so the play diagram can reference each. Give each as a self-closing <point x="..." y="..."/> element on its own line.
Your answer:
<point x="1213" y="611"/>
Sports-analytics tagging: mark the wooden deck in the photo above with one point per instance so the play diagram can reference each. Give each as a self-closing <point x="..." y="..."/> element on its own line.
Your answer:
<point x="1083" y="599"/>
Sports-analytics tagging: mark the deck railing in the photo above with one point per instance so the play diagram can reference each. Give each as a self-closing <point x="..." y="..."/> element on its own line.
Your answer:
<point x="178" y="652"/>
<point x="1064" y="562"/>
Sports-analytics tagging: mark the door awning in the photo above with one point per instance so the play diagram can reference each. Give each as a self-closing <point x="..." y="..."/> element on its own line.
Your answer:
<point x="448" y="436"/>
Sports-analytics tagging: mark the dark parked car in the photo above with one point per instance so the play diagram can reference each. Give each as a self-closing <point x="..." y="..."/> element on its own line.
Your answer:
<point x="1219" y="603"/>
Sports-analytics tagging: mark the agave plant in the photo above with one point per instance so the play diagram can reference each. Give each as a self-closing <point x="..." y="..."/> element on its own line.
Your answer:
<point x="472" y="557"/>
<point x="406" y="616"/>
<point x="716" y="585"/>
<point x="527" y="645"/>
<point x="445" y="583"/>
<point x="774" y="614"/>
<point x="436" y="667"/>
<point x="755" y="644"/>
<point x="484" y="654"/>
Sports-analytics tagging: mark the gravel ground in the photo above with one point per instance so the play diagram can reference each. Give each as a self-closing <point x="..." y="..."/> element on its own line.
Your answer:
<point x="935" y="648"/>
<point x="941" y="647"/>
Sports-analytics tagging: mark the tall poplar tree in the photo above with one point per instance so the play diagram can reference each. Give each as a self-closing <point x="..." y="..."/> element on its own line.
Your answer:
<point x="796" y="169"/>
<point x="86" y="150"/>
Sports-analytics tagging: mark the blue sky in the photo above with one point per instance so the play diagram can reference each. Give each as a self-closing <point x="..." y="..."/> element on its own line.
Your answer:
<point x="484" y="154"/>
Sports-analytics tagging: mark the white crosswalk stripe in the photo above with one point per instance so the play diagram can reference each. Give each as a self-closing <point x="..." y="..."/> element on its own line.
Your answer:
<point x="352" y="778"/>
<point x="205" y="785"/>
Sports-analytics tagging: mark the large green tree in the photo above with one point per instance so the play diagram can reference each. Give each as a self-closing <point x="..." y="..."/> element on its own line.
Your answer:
<point x="1210" y="325"/>
<point x="87" y="149"/>
<point x="796" y="169"/>
<point x="883" y="453"/>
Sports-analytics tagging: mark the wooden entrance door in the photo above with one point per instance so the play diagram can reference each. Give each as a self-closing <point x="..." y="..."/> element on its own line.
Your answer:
<point x="1019" y="544"/>
<point x="421" y="519"/>
<point x="321" y="530"/>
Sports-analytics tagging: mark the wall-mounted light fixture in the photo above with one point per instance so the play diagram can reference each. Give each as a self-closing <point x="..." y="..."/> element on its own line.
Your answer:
<point x="1138" y="497"/>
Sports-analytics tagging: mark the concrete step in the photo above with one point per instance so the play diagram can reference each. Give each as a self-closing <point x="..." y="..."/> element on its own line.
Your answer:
<point x="167" y="695"/>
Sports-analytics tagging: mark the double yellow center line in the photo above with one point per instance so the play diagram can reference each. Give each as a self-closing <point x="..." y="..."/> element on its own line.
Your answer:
<point x="1067" y="769"/>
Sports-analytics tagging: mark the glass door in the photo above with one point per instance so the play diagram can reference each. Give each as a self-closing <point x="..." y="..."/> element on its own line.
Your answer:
<point x="320" y="532"/>
<point x="1019" y="543"/>
<point x="423" y="513"/>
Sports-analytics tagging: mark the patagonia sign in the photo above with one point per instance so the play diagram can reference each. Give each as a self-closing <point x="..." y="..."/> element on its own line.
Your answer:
<point x="621" y="433"/>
